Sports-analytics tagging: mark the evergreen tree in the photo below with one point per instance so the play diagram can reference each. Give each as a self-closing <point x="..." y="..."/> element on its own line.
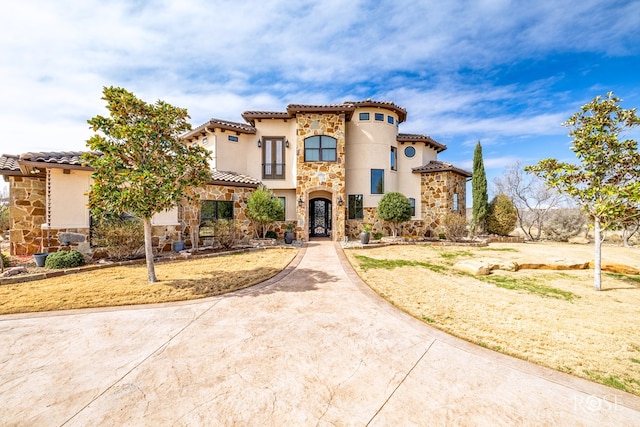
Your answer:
<point x="502" y="216"/>
<point x="479" y="191"/>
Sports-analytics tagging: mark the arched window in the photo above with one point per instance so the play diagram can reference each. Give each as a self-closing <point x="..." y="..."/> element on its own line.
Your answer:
<point x="320" y="148"/>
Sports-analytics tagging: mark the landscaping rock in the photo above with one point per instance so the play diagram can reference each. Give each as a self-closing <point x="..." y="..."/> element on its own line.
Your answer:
<point x="13" y="271"/>
<point x="474" y="266"/>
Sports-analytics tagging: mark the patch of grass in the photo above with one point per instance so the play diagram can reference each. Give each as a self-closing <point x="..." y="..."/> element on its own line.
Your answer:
<point x="498" y="250"/>
<point x="428" y="319"/>
<point x="529" y="286"/>
<point x="625" y="277"/>
<point x="367" y="263"/>
<point x="451" y="255"/>
<point x="609" y="380"/>
<point x="634" y="360"/>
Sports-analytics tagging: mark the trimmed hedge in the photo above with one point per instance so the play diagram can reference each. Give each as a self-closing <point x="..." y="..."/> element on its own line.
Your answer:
<point x="64" y="259"/>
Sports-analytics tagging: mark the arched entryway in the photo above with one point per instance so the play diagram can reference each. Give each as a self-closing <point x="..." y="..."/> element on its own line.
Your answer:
<point x="320" y="218"/>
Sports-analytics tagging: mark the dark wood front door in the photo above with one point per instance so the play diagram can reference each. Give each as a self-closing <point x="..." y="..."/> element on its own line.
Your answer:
<point x="320" y="218"/>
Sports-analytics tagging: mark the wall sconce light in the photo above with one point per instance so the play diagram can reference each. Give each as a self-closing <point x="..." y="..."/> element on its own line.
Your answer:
<point x="286" y="143"/>
<point x="340" y="201"/>
<point x="259" y="143"/>
<point x="300" y="201"/>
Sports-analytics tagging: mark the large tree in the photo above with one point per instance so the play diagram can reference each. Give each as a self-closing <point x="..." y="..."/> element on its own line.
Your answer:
<point x="140" y="165"/>
<point x="480" y="207"/>
<point x="607" y="180"/>
<point x="394" y="208"/>
<point x="533" y="200"/>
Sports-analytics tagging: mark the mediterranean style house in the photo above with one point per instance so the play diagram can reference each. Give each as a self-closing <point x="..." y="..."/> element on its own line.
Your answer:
<point x="328" y="164"/>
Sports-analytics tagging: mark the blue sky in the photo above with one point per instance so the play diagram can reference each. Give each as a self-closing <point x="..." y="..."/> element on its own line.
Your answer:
<point x="505" y="73"/>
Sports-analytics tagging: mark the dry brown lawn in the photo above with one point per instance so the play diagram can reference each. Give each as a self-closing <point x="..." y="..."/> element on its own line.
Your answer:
<point x="178" y="280"/>
<point x="553" y="318"/>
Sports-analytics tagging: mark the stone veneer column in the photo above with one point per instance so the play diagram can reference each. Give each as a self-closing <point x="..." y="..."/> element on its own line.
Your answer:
<point x="437" y="190"/>
<point x="321" y="176"/>
<point x="27" y="212"/>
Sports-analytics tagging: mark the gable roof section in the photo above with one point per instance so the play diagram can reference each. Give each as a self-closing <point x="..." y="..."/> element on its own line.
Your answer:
<point x="224" y="125"/>
<point x="426" y="139"/>
<point x="436" y="166"/>
<point x="32" y="163"/>
<point x="252" y="116"/>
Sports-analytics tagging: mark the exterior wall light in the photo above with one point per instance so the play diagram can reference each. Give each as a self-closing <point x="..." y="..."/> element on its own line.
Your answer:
<point x="259" y="143"/>
<point x="286" y="143"/>
<point x="300" y="201"/>
<point x="340" y="201"/>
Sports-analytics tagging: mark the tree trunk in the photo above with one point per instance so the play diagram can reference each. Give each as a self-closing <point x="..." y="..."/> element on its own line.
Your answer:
<point x="148" y="250"/>
<point x="597" y="268"/>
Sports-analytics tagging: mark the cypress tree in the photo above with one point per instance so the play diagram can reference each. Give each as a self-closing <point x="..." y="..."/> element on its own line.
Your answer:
<point x="479" y="192"/>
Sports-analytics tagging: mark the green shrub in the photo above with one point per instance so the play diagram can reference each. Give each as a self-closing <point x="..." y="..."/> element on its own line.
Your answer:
<point x="64" y="259"/>
<point x="121" y="238"/>
<point x="502" y="216"/>
<point x="377" y="235"/>
<point x="271" y="234"/>
<point x="395" y="209"/>
<point x="6" y="259"/>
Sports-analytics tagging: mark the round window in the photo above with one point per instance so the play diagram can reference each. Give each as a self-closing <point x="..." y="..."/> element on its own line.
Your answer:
<point x="409" y="151"/>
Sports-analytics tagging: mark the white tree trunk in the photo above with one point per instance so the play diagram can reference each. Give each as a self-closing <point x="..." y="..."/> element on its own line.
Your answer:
<point x="148" y="250"/>
<point x="597" y="269"/>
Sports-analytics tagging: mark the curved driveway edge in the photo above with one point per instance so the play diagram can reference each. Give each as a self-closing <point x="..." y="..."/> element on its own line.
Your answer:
<point x="312" y="346"/>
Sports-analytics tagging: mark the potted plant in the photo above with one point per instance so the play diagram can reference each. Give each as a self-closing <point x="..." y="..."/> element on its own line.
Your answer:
<point x="365" y="235"/>
<point x="288" y="235"/>
<point x="41" y="256"/>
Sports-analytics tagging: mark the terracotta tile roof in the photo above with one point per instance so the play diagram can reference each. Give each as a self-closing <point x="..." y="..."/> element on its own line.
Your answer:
<point x="401" y="112"/>
<point x="220" y="124"/>
<point x="252" y="116"/>
<point x="437" y="166"/>
<point x="9" y="163"/>
<point x="60" y="157"/>
<point x="415" y="137"/>
<point x="235" y="178"/>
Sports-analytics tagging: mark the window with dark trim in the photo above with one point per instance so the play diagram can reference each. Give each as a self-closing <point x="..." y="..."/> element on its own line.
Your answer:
<point x="412" y="202"/>
<point x="394" y="158"/>
<point x="273" y="157"/>
<point x="379" y="117"/>
<point x="364" y="116"/>
<point x="210" y="212"/>
<point x="377" y="181"/>
<point x="283" y="202"/>
<point x="390" y="119"/>
<point x="232" y="138"/>
<point x="455" y="202"/>
<point x="320" y="148"/>
<point x="356" y="210"/>
<point x="409" y="152"/>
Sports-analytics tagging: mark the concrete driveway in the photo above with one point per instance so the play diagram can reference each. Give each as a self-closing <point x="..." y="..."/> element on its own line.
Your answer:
<point x="313" y="346"/>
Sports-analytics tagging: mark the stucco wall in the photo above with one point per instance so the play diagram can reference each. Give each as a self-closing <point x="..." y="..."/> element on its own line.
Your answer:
<point x="68" y="198"/>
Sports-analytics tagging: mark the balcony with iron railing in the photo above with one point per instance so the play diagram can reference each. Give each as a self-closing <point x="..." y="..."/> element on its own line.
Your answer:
<point x="273" y="171"/>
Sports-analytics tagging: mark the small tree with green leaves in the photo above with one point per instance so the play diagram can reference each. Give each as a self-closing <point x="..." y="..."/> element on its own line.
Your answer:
<point x="607" y="180"/>
<point x="502" y="216"/>
<point x="480" y="207"/>
<point x="141" y="166"/>
<point x="394" y="208"/>
<point x="264" y="208"/>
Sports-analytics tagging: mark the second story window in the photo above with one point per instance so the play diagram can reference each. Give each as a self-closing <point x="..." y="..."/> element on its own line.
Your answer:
<point x="320" y="148"/>
<point x="379" y="117"/>
<point x="273" y="158"/>
<point x="394" y="158"/>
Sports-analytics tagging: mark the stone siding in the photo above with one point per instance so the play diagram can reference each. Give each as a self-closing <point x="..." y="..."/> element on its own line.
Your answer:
<point x="27" y="212"/>
<point x="437" y="191"/>
<point x="189" y="213"/>
<point x="321" y="176"/>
